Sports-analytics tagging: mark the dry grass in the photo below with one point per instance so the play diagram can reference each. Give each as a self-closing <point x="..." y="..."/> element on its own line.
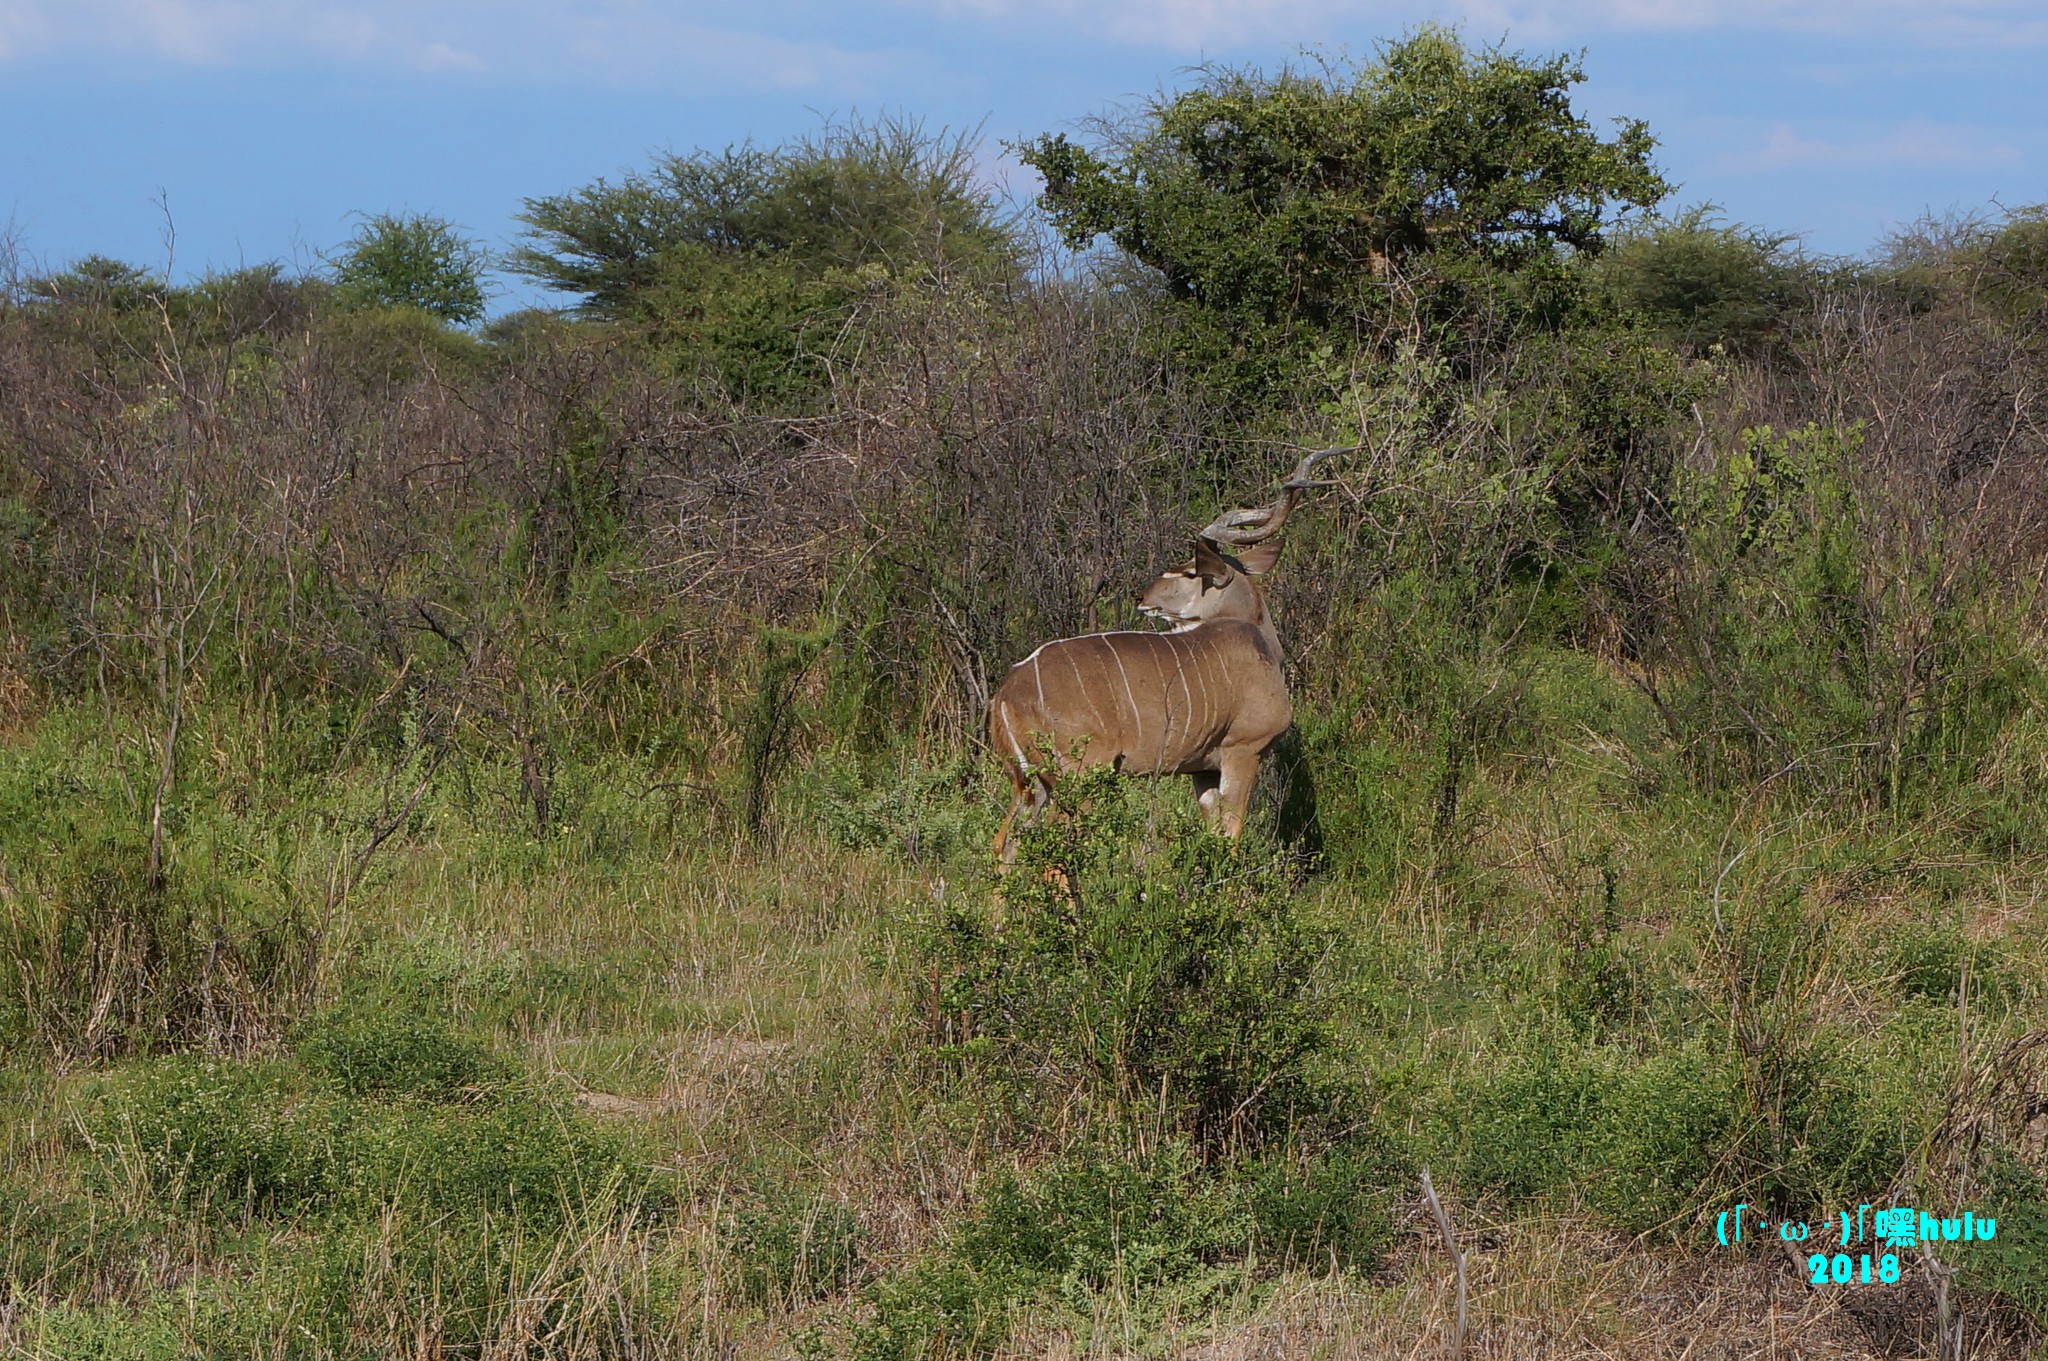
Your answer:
<point x="1567" y="1290"/>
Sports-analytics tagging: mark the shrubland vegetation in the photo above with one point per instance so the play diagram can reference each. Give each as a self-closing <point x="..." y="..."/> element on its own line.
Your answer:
<point x="493" y="844"/>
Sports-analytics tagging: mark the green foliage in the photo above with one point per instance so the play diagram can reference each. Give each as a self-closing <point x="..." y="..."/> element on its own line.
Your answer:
<point x="1093" y="1219"/>
<point x="1159" y="1230"/>
<point x="786" y="655"/>
<point x="1801" y="661"/>
<point x="119" y="314"/>
<point x="858" y="193"/>
<point x="1282" y="209"/>
<point x="1594" y="412"/>
<point x="945" y="1308"/>
<point x="1186" y="986"/>
<point x="1650" y="1142"/>
<point x="1934" y="960"/>
<point x="60" y="1246"/>
<point x="167" y="1327"/>
<point x="1331" y="1208"/>
<point x="390" y="1051"/>
<point x="462" y="1285"/>
<point x="1995" y="265"/>
<point x="915" y="809"/>
<point x="2013" y="265"/>
<point x="1151" y="1227"/>
<point x="100" y="957"/>
<point x="98" y="282"/>
<point x="736" y="263"/>
<point x="574" y="522"/>
<point x="2015" y="1262"/>
<point x="1704" y="283"/>
<point x="384" y="348"/>
<point x="235" y="1139"/>
<point x="226" y="1136"/>
<point x="791" y="1247"/>
<point x="413" y="260"/>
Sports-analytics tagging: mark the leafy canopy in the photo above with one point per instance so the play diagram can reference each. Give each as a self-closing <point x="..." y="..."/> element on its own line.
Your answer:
<point x="413" y="260"/>
<point x="857" y="194"/>
<point x="739" y="265"/>
<point x="97" y="281"/>
<point x="1703" y="282"/>
<point x="1291" y="199"/>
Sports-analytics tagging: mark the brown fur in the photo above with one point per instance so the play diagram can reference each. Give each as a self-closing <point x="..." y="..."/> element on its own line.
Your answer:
<point x="1204" y="700"/>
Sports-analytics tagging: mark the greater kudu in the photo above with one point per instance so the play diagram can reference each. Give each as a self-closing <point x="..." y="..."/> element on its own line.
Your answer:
<point x="1204" y="699"/>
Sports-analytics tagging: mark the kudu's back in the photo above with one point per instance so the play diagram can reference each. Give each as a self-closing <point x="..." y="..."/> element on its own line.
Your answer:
<point x="1145" y="703"/>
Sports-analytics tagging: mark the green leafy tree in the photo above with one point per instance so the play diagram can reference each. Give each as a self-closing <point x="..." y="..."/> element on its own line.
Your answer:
<point x="739" y="264"/>
<point x="414" y="260"/>
<point x="1283" y="208"/>
<point x="1704" y="282"/>
<point x="100" y="282"/>
<point x="883" y="193"/>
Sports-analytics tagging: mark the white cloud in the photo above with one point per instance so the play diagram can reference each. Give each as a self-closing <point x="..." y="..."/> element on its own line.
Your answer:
<point x="1190" y="26"/>
<point x="23" y="27"/>
<point x="1917" y="144"/>
<point x="634" y="40"/>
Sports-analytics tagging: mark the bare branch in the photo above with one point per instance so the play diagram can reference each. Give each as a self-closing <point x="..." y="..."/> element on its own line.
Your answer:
<point x="1443" y="1224"/>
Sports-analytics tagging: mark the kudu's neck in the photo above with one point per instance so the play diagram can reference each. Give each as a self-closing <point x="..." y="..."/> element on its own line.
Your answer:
<point x="1253" y="611"/>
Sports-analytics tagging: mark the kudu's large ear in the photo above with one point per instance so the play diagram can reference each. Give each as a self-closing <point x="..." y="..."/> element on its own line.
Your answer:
<point x="1211" y="563"/>
<point x="1259" y="558"/>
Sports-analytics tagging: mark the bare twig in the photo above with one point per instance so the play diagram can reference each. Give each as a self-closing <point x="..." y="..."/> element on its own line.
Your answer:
<point x="1949" y="1325"/>
<point x="1443" y="1224"/>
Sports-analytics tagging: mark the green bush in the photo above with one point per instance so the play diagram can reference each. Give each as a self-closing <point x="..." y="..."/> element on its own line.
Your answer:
<point x="1437" y="181"/>
<point x="1147" y="1226"/>
<point x="944" y="1308"/>
<point x="1704" y="283"/>
<point x="915" y="809"/>
<point x="1163" y="1229"/>
<point x="789" y="1248"/>
<point x="228" y="1137"/>
<point x="1820" y="646"/>
<point x="1650" y="1140"/>
<point x="104" y="953"/>
<point x="1932" y="959"/>
<point x="75" y="1247"/>
<point x="388" y="1051"/>
<point x="413" y="260"/>
<point x="1097" y="1218"/>
<point x="1174" y="980"/>
<point x="2015" y="1262"/>
<point x="1331" y="1208"/>
<point x="451" y="1286"/>
<point x="1643" y="1140"/>
<point x="186" y="1325"/>
<point x="255" y="1139"/>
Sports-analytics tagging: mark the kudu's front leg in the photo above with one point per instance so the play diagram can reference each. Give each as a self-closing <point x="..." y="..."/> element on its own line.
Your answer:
<point x="1029" y="797"/>
<point x="1206" y="796"/>
<point x="1234" y="788"/>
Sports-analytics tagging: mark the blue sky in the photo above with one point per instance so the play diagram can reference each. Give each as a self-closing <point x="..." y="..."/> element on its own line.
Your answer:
<point x="263" y="124"/>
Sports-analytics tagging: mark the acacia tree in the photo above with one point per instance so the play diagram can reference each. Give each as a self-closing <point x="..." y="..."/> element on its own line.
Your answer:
<point x="884" y="193"/>
<point x="414" y="260"/>
<point x="1285" y="206"/>
<point x="734" y="262"/>
<point x="1703" y="282"/>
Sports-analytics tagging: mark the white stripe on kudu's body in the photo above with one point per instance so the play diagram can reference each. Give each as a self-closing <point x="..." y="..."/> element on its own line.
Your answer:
<point x="1066" y="693"/>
